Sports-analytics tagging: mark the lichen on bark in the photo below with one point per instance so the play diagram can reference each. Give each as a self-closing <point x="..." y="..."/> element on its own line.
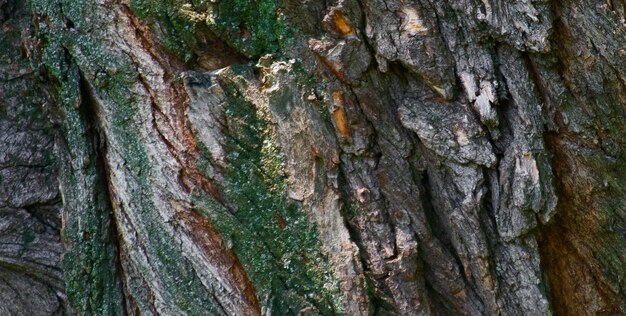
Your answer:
<point x="284" y="157"/>
<point x="270" y="234"/>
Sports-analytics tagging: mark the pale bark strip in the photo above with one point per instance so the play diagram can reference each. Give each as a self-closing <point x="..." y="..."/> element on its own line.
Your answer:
<point x="388" y="157"/>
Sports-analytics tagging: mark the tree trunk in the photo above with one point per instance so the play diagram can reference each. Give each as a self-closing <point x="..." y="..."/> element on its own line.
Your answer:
<point x="279" y="157"/>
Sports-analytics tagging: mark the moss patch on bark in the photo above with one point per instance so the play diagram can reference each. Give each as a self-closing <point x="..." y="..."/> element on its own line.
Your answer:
<point x="252" y="27"/>
<point x="272" y="236"/>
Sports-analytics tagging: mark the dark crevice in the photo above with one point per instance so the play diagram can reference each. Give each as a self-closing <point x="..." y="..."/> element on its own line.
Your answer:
<point x="439" y="306"/>
<point x="434" y="221"/>
<point x="491" y="200"/>
<point x="365" y="40"/>
<point x="10" y="10"/>
<point x="419" y="177"/>
<point x="440" y="233"/>
<point x="119" y="274"/>
<point x="61" y="311"/>
<point x="34" y="270"/>
<point x="41" y="212"/>
<point x="101" y="190"/>
<point x="114" y="236"/>
<point x="503" y="111"/>
<point x="548" y="107"/>
<point x="348" y="213"/>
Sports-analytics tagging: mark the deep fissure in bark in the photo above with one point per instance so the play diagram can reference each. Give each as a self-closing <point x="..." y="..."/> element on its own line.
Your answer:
<point x="328" y="157"/>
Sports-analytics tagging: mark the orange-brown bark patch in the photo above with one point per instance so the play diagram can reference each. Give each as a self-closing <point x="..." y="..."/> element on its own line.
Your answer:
<point x="572" y="243"/>
<point x="339" y="115"/>
<point x="217" y="254"/>
<point x="341" y="23"/>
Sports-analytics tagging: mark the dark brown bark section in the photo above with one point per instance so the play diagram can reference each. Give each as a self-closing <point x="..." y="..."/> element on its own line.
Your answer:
<point x="450" y="157"/>
<point x="583" y="250"/>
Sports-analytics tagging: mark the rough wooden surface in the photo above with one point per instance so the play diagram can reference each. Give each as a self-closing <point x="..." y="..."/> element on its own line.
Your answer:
<point x="31" y="278"/>
<point x="380" y="157"/>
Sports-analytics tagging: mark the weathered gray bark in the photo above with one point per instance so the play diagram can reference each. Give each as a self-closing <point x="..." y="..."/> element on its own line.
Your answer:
<point x="31" y="279"/>
<point x="312" y="157"/>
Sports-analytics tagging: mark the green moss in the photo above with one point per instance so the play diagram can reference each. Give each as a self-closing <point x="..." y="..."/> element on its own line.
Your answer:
<point x="285" y="263"/>
<point x="90" y="254"/>
<point x="89" y="262"/>
<point x="177" y="26"/>
<point x="27" y="238"/>
<point x="252" y="27"/>
<point x="90" y="258"/>
<point x="177" y="275"/>
<point x="272" y="236"/>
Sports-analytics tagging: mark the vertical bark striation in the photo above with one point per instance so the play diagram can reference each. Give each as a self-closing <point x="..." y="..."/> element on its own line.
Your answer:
<point x="382" y="157"/>
<point x="584" y="247"/>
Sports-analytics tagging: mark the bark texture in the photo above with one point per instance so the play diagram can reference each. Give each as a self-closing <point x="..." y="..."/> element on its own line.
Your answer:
<point x="31" y="277"/>
<point x="279" y="157"/>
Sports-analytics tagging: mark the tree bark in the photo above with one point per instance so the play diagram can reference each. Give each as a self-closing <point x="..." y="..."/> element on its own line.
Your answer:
<point x="379" y="157"/>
